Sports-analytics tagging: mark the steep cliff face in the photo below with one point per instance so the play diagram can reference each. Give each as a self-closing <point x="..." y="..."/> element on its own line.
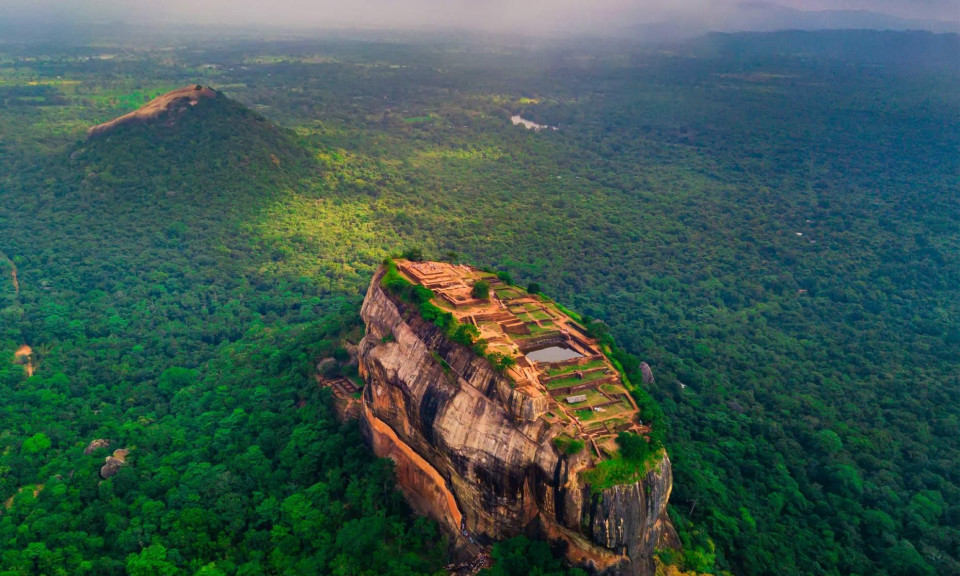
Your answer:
<point x="473" y="453"/>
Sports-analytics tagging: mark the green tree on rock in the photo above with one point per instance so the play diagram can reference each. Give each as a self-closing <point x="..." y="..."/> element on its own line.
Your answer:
<point x="481" y="290"/>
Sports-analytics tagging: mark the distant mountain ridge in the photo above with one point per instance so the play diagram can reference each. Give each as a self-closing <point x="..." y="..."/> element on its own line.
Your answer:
<point x="890" y="49"/>
<point x="766" y="16"/>
<point x="770" y="17"/>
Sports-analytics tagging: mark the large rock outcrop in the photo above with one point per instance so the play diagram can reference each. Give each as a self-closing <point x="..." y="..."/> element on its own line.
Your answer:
<point x="96" y="445"/>
<point x="113" y="464"/>
<point x="473" y="453"/>
<point x="170" y="105"/>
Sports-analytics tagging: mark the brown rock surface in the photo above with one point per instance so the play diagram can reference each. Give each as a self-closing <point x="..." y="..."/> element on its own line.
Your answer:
<point x="473" y="453"/>
<point x="646" y="373"/>
<point x="114" y="463"/>
<point x="173" y="102"/>
<point x="96" y="444"/>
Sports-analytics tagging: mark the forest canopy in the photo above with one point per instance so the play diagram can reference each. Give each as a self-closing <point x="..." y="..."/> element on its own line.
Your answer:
<point x="770" y="221"/>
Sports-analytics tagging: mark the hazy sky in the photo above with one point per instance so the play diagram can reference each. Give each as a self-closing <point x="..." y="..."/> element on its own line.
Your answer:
<point x="531" y="15"/>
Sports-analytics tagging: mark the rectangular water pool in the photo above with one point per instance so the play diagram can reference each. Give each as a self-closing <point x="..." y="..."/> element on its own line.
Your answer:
<point x="552" y="354"/>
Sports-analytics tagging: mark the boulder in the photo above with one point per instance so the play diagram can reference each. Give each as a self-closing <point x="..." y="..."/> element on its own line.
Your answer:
<point x="646" y="373"/>
<point x="114" y="463"/>
<point x="95" y="445"/>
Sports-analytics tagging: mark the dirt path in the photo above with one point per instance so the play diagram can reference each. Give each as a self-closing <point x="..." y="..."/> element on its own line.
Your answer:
<point x="13" y="272"/>
<point x="25" y="351"/>
<point x="37" y="489"/>
<point x="24" y="354"/>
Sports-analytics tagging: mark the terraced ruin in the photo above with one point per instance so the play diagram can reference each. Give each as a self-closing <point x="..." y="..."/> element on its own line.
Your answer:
<point x="553" y="354"/>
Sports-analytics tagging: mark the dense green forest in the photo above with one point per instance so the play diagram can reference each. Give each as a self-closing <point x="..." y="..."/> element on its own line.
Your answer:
<point x="771" y="221"/>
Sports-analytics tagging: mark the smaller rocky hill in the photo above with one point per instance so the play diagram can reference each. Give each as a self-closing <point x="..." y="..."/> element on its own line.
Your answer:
<point x="192" y="144"/>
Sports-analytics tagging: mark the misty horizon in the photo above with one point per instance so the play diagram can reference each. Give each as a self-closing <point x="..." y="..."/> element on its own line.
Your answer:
<point x="538" y="17"/>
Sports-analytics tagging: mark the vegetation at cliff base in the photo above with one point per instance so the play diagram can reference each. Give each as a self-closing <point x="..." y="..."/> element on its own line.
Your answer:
<point x="521" y="556"/>
<point x="771" y="221"/>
